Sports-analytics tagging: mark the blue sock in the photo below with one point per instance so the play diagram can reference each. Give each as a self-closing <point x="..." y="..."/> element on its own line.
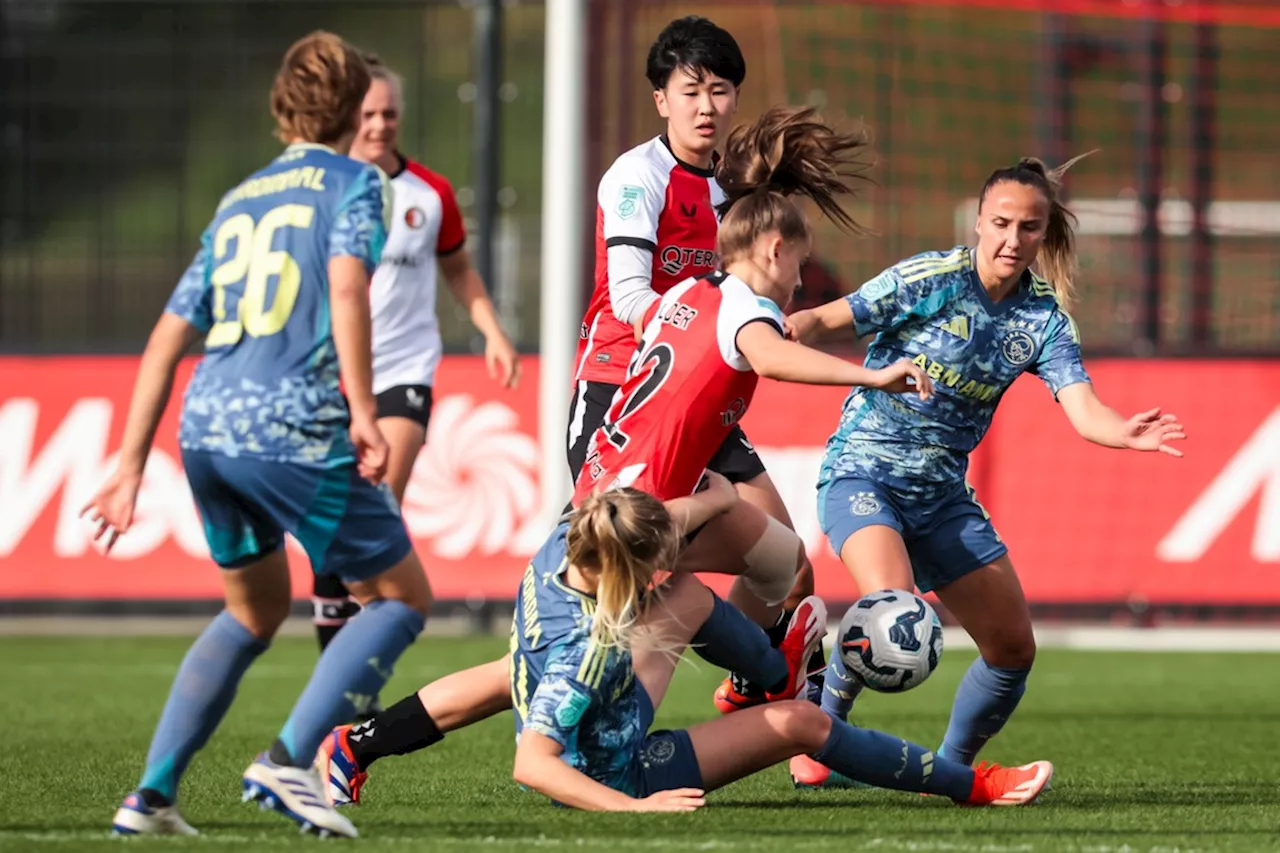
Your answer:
<point x="729" y="640"/>
<point x="350" y="673"/>
<point x="986" y="697"/>
<point x="885" y="761"/>
<point x="199" y="698"/>
<point x="839" y="689"/>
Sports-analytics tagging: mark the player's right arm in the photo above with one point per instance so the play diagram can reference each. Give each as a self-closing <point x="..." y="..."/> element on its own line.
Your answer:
<point x="355" y="247"/>
<point x="559" y="704"/>
<point x="186" y="317"/>
<point x="881" y="304"/>
<point x="631" y="198"/>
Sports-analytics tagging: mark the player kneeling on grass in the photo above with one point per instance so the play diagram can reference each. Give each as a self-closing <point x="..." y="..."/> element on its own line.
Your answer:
<point x="279" y="435"/>
<point x="596" y="639"/>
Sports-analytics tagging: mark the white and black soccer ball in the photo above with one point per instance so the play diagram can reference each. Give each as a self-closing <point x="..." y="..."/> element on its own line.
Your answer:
<point x="891" y="640"/>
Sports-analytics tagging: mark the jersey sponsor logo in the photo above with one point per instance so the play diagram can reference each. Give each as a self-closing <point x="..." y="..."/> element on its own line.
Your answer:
<point x="678" y="314"/>
<point x="410" y="261"/>
<point x="944" y="374"/>
<point x="603" y="358"/>
<point x="415" y="218"/>
<point x="960" y="326"/>
<point x="1017" y="347"/>
<point x="675" y="258"/>
<point x="734" y="413"/>
<point x="864" y="504"/>
<point x="629" y="198"/>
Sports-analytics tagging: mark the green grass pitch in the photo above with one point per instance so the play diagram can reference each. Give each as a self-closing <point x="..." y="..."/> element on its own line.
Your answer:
<point x="1154" y="752"/>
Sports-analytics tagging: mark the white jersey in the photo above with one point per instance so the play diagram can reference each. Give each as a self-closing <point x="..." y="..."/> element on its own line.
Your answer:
<point x="425" y="225"/>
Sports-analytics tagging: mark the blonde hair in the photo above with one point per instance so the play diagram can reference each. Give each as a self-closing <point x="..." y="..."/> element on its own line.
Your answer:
<point x="318" y="90"/>
<point x="625" y="537"/>
<point x="787" y="151"/>
<point x="1057" y="258"/>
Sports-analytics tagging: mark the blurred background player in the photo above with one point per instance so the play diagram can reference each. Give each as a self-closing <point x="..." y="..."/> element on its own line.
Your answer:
<point x="704" y="343"/>
<point x="273" y="443"/>
<point x="596" y="640"/>
<point x="656" y="224"/>
<point x="426" y="230"/>
<point x="893" y="496"/>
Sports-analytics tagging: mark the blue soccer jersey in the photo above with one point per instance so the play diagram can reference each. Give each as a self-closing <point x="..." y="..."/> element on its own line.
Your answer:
<point x="268" y="385"/>
<point x="564" y="685"/>
<point x="933" y="310"/>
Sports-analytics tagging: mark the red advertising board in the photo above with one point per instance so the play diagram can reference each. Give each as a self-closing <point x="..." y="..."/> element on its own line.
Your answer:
<point x="1084" y="524"/>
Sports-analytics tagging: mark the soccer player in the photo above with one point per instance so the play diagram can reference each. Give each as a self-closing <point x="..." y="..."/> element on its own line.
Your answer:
<point x="704" y="345"/>
<point x="656" y="223"/>
<point x="426" y="232"/>
<point x="596" y="639"/>
<point x="273" y="443"/>
<point x="893" y="497"/>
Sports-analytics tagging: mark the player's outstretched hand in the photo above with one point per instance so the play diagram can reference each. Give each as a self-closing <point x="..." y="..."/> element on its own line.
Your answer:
<point x="502" y="360"/>
<point x="111" y="509"/>
<point x="1151" y="430"/>
<point x="801" y="326"/>
<point x="902" y="377"/>
<point x="679" y="800"/>
<point x="371" y="449"/>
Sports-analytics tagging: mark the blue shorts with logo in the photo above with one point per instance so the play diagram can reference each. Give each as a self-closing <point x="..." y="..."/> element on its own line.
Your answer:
<point x="667" y="760"/>
<point x="946" y="538"/>
<point x="347" y="526"/>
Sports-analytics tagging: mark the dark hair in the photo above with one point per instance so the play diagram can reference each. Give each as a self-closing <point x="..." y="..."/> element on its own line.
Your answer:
<point x="1058" y="255"/>
<point x="699" y="47"/>
<point x="318" y="90"/>
<point x="787" y="151"/>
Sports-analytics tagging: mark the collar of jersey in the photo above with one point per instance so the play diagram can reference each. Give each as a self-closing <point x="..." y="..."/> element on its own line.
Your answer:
<point x="689" y="167"/>
<point x="310" y="146"/>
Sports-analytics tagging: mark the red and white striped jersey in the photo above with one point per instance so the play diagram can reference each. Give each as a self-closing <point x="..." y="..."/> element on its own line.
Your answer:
<point x="686" y="388"/>
<point x="651" y="200"/>
<point x="425" y="225"/>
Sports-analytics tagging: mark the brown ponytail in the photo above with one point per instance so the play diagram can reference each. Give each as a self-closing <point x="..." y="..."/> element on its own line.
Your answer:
<point x="1057" y="259"/>
<point x="787" y="151"/>
<point x="318" y="90"/>
<point x="626" y="536"/>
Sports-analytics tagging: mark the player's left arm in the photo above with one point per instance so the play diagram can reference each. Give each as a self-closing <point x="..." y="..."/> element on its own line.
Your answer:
<point x="185" y="319"/>
<point x="468" y="288"/>
<point x="1060" y="367"/>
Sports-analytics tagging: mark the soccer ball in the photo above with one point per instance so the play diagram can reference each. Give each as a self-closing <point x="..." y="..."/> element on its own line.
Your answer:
<point x="891" y="640"/>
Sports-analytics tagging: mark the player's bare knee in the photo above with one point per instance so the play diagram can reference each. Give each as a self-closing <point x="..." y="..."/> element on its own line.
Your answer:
<point x="689" y="597"/>
<point x="802" y="724"/>
<point x="1013" y="651"/>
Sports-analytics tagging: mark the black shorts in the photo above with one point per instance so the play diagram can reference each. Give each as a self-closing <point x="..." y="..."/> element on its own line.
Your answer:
<point x="406" y="401"/>
<point x="736" y="459"/>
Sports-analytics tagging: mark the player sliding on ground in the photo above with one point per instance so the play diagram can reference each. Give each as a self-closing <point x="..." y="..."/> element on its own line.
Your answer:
<point x="279" y="290"/>
<point x="893" y="500"/>
<point x="704" y="346"/>
<point x="597" y="639"/>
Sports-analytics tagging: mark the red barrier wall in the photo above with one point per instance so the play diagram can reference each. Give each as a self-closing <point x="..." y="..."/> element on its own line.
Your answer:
<point x="1083" y="523"/>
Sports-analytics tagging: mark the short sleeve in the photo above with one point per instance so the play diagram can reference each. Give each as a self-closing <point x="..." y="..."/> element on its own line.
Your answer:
<point x="192" y="298"/>
<point x="562" y="697"/>
<point x="1059" y="364"/>
<point x="881" y="303"/>
<point x="362" y="219"/>
<point x="631" y="196"/>
<point x="740" y="308"/>
<point x="453" y="234"/>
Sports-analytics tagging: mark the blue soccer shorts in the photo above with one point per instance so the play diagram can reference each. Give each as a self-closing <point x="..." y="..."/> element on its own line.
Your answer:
<point x="946" y="538"/>
<point x="347" y="526"/>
